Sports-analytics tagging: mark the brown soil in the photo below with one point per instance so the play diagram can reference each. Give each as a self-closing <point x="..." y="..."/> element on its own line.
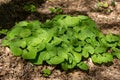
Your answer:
<point x="15" y="68"/>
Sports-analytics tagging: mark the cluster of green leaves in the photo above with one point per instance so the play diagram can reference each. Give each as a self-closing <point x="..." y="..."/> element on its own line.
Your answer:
<point x="105" y="6"/>
<point x="56" y="10"/>
<point x="101" y="4"/>
<point x="3" y="31"/>
<point x="64" y="40"/>
<point x="46" y="72"/>
<point x="30" y="8"/>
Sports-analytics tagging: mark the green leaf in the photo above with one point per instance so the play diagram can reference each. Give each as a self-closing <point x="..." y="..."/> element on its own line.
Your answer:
<point x="77" y="56"/>
<point x="49" y="47"/>
<point x="70" y="58"/>
<point x="41" y="56"/>
<point x="116" y="53"/>
<point x="82" y="43"/>
<point x="100" y="49"/>
<point x="30" y="53"/>
<point x="103" y="42"/>
<point x="40" y="46"/>
<point x="112" y="45"/>
<point x="18" y="43"/>
<point x="62" y="53"/>
<point x="25" y="33"/>
<point x="21" y="24"/>
<point x="104" y="58"/>
<point x="46" y="72"/>
<point x="56" y="41"/>
<point x="64" y="66"/>
<point x="52" y="10"/>
<point x="14" y="33"/>
<point x="67" y="21"/>
<point x="85" y="54"/>
<point x="67" y="65"/>
<point x="74" y="41"/>
<point x="5" y="42"/>
<point x="112" y="38"/>
<point x="78" y="49"/>
<point x="51" y="54"/>
<point x="86" y="33"/>
<point x="83" y="66"/>
<point x="65" y="39"/>
<point x="72" y="65"/>
<point x="107" y="57"/>
<point x="55" y="60"/>
<point x="93" y="42"/>
<point x="96" y="58"/>
<point x="77" y="29"/>
<point x="86" y="50"/>
<point x="29" y="8"/>
<point x="72" y="61"/>
<point x="3" y="31"/>
<point x="118" y="44"/>
<point x="34" y="25"/>
<point x="115" y="49"/>
<point x="16" y="51"/>
<point x="34" y="41"/>
<point x="23" y="44"/>
<point x="67" y="46"/>
<point x="105" y="5"/>
<point x="45" y="36"/>
<point x="61" y="30"/>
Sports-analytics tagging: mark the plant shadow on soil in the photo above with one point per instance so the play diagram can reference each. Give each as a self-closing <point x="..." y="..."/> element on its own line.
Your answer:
<point x="13" y="12"/>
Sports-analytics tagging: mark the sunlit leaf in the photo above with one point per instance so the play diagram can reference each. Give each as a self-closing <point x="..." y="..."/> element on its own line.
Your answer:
<point x="55" y="60"/>
<point x="82" y="66"/>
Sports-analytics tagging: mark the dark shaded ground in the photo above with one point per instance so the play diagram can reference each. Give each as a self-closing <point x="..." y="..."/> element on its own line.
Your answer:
<point x="12" y="11"/>
<point x="15" y="68"/>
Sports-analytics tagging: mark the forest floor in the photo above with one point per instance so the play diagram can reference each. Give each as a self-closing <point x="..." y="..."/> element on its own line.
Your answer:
<point x="15" y="68"/>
